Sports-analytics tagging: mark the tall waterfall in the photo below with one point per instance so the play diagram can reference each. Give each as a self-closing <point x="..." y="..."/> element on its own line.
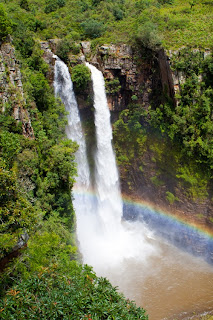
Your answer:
<point x="111" y="241"/>
<point x="107" y="178"/>
<point x="64" y="89"/>
<point x="82" y="204"/>
<point x="104" y="240"/>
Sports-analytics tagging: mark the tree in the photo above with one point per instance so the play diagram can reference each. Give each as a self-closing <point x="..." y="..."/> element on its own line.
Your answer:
<point x="24" y="5"/>
<point x="5" y="24"/>
<point x="192" y="3"/>
<point x="64" y="47"/>
<point x="17" y="215"/>
<point x="80" y="77"/>
<point x="92" y="28"/>
<point x="147" y="36"/>
<point x="52" y="5"/>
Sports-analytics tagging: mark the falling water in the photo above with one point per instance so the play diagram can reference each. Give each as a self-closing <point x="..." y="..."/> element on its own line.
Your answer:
<point x="113" y="241"/>
<point x="155" y="274"/>
<point x="107" y="178"/>
<point x="64" y="89"/>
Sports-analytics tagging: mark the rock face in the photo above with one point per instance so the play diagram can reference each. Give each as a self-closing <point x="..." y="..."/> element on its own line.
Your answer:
<point x="48" y="56"/>
<point x="167" y="78"/>
<point x="11" y="90"/>
<point x="127" y="78"/>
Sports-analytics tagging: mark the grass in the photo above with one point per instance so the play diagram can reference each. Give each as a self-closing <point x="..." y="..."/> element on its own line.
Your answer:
<point x="185" y="26"/>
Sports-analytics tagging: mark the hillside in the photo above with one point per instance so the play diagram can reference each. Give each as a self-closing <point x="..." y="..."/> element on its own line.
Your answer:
<point x="174" y="23"/>
<point x="163" y="135"/>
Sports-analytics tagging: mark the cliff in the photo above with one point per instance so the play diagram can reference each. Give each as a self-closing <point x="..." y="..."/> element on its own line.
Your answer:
<point x="11" y="89"/>
<point x="131" y="77"/>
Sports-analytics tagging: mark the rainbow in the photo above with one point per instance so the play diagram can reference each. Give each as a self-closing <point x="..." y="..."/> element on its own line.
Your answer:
<point x="154" y="210"/>
<point x="189" y="235"/>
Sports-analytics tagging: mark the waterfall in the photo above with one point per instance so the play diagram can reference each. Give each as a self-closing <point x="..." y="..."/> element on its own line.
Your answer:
<point x="107" y="178"/>
<point x="112" y="241"/>
<point x="104" y="240"/>
<point x="64" y="89"/>
<point x="83" y="205"/>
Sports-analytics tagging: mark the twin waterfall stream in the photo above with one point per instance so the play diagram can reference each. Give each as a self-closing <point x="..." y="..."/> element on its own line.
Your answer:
<point x="159" y="277"/>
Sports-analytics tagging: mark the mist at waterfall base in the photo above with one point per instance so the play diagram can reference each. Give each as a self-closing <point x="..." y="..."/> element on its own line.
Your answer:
<point x="146" y="268"/>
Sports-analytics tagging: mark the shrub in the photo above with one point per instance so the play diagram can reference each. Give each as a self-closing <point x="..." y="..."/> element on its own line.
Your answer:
<point x="61" y="3"/>
<point x="64" y="47"/>
<point x="166" y="1"/>
<point x="96" y="2"/>
<point x="80" y="77"/>
<point x="118" y="13"/>
<point x="17" y="214"/>
<point x="171" y="197"/>
<point x="134" y="97"/>
<point x="147" y="36"/>
<point x="112" y="86"/>
<point x="40" y="90"/>
<point x="24" y="40"/>
<point x="77" y="295"/>
<point x="52" y="5"/>
<point x="92" y="28"/>
<point x="24" y="5"/>
<point x="5" y="24"/>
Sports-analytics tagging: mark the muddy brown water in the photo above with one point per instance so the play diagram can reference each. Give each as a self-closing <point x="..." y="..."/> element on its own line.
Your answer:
<point x="170" y="285"/>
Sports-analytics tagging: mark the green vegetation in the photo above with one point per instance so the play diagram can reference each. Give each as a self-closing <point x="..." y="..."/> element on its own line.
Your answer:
<point x="5" y="24"/>
<point x="65" y="47"/>
<point x="148" y="153"/>
<point x="112" y="86"/>
<point x="92" y="28"/>
<point x="189" y="123"/>
<point x="37" y="175"/>
<point x="171" y="197"/>
<point x="170" y="23"/>
<point x="79" y="294"/>
<point x="36" y="179"/>
<point x="147" y="36"/>
<point x="80" y="77"/>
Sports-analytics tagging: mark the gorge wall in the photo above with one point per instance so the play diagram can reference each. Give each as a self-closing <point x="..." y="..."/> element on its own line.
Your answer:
<point x="130" y="79"/>
<point x="142" y="79"/>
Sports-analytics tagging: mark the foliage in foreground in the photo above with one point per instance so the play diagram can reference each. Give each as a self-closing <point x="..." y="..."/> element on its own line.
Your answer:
<point x="80" y="294"/>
